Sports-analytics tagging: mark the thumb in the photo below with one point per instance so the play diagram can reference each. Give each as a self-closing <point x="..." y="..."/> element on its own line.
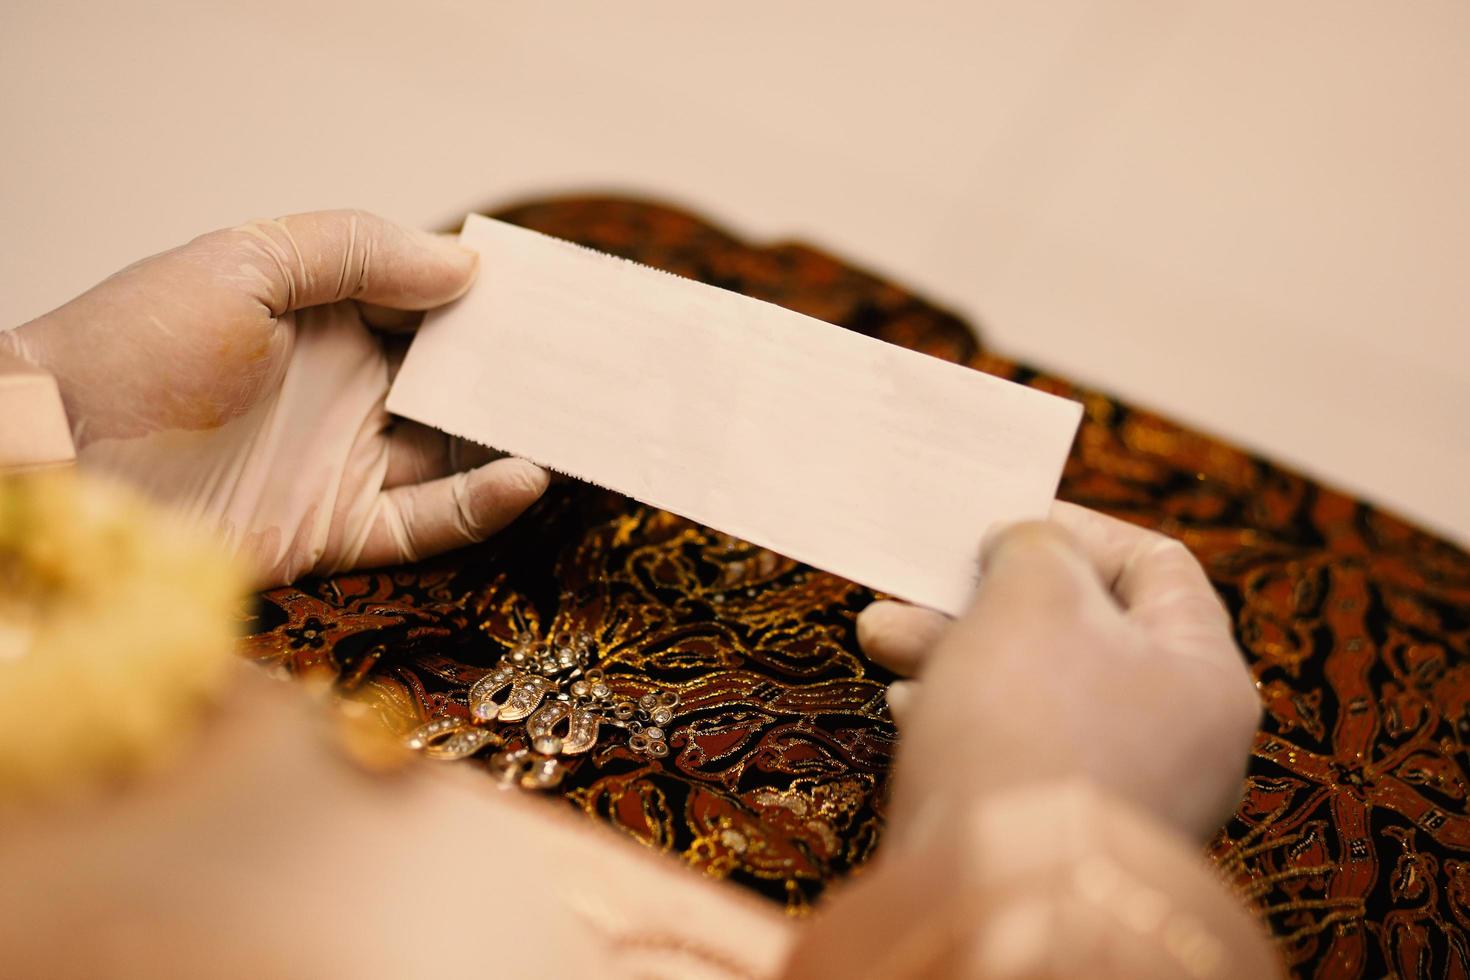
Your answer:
<point x="412" y="522"/>
<point x="326" y="256"/>
<point x="1034" y="581"/>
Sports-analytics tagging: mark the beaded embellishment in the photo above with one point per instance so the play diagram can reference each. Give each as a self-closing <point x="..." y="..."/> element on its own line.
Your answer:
<point x="543" y="702"/>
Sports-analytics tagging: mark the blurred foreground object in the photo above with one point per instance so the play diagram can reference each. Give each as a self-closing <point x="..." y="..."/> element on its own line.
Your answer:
<point x="115" y="632"/>
<point x="35" y="435"/>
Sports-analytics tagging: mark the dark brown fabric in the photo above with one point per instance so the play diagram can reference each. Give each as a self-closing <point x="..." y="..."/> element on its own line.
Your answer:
<point x="1353" y="842"/>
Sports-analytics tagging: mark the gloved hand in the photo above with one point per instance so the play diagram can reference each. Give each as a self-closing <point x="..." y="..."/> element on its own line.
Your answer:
<point x="1093" y="648"/>
<point x="236" y="377"/>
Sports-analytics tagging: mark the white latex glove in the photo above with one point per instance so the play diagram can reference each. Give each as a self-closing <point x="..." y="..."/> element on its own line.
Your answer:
<point x="236" y="378"/>
<point x="1093" y="649"/>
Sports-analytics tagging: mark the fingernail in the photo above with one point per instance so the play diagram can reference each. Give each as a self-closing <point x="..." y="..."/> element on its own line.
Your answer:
<point x="874" y="618"/>
<point x="513" y="476"/>
<point x="536" y="479"/>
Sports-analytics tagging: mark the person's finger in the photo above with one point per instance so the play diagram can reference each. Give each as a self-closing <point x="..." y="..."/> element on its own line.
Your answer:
<point x="1162" y="576"/>
<point x="327" y="256"/>
<point x="900" y="698"/>
<point x="413" y="522"/>
<point x="898" y="635"/>
<point x="1169" y="596"/>
<point x="1034" y="581"/>
<point x="1107" y="541"/>
<point x="1035" y="566"/>
<point x="1132" y="560"/>
<point x="1155" y="578"/>
<point x="416" y="454"/>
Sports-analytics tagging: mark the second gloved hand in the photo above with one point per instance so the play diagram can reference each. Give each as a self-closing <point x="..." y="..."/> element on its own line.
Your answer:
<point x="1093" y="649"/>
<point x="237" y="377"/>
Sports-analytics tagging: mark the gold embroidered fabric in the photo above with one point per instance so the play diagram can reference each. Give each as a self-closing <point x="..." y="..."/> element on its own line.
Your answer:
<point x="1353" y="842"/>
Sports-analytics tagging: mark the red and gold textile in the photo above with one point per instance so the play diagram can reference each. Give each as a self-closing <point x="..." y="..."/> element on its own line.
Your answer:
<point x="1353" y="842"/>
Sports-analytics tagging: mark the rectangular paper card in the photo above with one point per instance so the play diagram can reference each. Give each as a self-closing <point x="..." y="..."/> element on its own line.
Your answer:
<point x="873" y="462"/>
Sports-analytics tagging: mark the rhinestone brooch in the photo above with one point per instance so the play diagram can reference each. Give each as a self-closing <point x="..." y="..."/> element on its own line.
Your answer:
<point x="544" y="702"/>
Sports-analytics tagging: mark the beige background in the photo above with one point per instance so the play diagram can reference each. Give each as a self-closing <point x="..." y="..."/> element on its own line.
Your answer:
<point x="1254" y="215"/>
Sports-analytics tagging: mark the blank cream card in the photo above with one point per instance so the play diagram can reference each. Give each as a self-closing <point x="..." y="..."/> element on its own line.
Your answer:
<point x="858" y="457"/>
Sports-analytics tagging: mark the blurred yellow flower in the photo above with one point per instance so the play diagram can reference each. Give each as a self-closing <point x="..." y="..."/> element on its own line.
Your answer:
<point x="117" y="625"/>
